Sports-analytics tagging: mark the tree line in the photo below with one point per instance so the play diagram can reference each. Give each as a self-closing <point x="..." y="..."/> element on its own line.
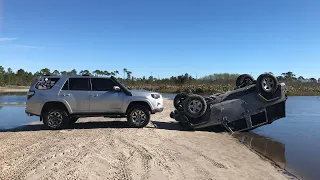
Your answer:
<point x="25" y="78"/>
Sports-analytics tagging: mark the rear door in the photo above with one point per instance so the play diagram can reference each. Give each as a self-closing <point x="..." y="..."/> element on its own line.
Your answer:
<point x="103" y="99"/>
<point x="76" y="91"/>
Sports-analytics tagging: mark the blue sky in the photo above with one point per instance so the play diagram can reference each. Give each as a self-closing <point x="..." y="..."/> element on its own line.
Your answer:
<point x="165" y="38"/>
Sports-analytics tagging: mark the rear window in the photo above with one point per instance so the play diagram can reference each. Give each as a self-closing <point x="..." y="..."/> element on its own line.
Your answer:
<point x="46" y="83"/>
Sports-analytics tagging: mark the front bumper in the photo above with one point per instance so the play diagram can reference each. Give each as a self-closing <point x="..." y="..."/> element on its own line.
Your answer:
<point x="157" y="110"/>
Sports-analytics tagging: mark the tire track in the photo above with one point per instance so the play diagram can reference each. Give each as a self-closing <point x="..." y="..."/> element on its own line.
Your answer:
<point x="143" y="153"/>
<point x="89" y="145"/>
<point x="215" y="163"/>
<point x="32" y="161"/>
<point x="123" y="172"/>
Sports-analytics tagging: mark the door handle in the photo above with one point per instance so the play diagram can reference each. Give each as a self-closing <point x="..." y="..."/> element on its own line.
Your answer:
<point x="94" y="95"/>
<point x="65" y="94"/>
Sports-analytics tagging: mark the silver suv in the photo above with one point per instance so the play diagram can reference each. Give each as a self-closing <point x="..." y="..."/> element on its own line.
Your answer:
<point x="61" y="100"/>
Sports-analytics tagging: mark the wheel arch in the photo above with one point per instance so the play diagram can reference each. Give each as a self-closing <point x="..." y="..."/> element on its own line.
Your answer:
<point x="55" y="104"/>
<point x="141" y="103"/>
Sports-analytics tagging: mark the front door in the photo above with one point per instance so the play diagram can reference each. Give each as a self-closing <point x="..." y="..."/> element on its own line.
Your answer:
<point x="103" y="99"/>
<point x="76" y="92"/>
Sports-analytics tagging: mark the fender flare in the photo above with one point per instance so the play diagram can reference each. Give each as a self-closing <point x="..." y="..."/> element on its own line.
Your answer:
<point x="64" y="102"/>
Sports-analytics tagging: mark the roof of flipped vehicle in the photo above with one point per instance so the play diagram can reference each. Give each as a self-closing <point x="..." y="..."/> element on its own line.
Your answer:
<point x="73" y="76"/>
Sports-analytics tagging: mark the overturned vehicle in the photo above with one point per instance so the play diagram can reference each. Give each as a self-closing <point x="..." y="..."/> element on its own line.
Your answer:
<point x="253" y="103"/>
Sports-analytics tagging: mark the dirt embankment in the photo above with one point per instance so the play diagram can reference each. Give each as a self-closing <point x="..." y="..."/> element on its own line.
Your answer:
<point x="99" y="148"/>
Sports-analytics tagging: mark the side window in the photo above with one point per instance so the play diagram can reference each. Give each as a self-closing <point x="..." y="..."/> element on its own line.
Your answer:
<point x="79" y="84"/>
<point x="102" y="84"/>
<point x="46" y="83"/>
<point x="66" y="85"/>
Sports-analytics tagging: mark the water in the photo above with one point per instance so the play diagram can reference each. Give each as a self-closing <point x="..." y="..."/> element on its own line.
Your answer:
<point x="292" y="142"/>
<point x="12" y="117"/>
<point x="169" y="96"/>
<point x="13" y="99"/>
<point x="300" y="133"/>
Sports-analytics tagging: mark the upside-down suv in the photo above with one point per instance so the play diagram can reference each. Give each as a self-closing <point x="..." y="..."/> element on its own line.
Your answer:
<point x="251" y="104"/>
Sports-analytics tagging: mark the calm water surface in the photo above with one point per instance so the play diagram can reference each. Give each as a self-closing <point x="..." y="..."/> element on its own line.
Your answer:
<point x="300" y="133"/>
<point x="292" y="142"/>
<point x="11" y="117"/>
<point x="13" y="99"/>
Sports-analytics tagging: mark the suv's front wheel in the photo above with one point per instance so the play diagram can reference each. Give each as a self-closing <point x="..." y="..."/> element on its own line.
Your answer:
<point x="55" y="119"/>
<point x="138" y="116"/>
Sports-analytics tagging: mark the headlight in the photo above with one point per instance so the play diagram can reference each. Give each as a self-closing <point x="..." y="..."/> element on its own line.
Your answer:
<point x="155" y="96"/>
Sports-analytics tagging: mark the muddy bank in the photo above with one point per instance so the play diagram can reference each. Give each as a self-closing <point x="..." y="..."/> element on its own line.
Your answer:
<point x="99" y="148"/>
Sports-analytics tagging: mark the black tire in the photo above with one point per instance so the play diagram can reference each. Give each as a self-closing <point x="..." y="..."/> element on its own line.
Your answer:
<point x="140" y="110"/>
<point x="190" y="108"/>
<point x="55" y="119"/>
<point x="244" y="80"/>
<point x="73" y="120"/>
<point x="267" y="83"/>
<point x="178" y="101"/>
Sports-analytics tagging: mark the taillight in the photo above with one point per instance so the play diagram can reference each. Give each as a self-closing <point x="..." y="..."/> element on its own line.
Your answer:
<point x="30" y="94"/>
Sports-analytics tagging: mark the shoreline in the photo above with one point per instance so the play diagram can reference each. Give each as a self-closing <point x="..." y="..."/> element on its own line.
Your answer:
<point x="24" y="90"/>
<point x="4" y="90"/>
<point x="173" y="154"/>
<point x="285" y="171"/>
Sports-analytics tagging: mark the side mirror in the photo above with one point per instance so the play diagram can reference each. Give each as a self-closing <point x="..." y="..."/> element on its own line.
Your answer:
<point x="116" y="88"/>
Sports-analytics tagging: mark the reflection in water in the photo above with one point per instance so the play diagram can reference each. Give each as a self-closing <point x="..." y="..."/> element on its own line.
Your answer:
<point x="269" y="148"/>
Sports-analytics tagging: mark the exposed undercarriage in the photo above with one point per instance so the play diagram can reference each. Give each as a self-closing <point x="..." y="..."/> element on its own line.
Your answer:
<point x="253" y="103"/>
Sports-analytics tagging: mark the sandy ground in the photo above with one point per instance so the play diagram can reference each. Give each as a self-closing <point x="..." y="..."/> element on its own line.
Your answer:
<point x="100" y="148"/>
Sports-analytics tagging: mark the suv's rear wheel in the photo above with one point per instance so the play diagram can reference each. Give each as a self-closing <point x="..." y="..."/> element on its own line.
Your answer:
<point x="55" y="118"/>
<point x="138" y="116"/>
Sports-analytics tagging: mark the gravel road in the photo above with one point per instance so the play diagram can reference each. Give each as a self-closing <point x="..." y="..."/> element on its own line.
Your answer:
<point x="101" y="148"/>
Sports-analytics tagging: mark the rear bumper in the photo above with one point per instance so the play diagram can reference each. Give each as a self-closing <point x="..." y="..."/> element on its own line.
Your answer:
<point x="30" y="113"/>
